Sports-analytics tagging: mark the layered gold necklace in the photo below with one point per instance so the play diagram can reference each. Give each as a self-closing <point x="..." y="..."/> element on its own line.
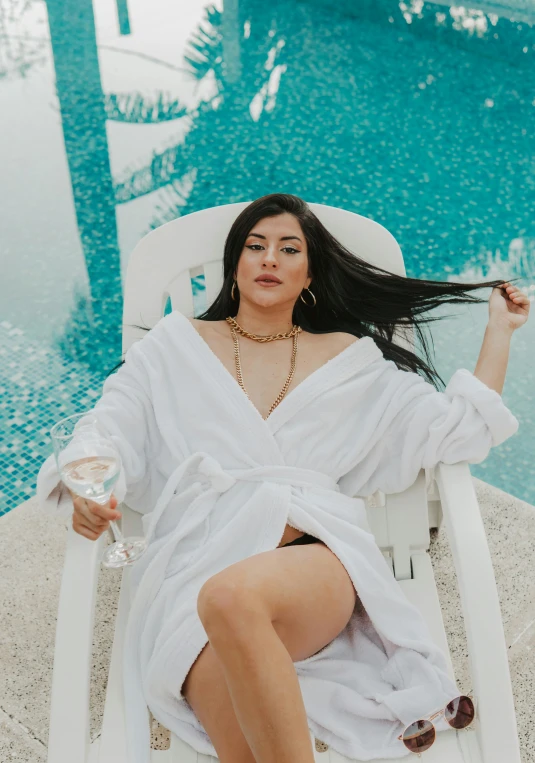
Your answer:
<point x="235" y="327"/>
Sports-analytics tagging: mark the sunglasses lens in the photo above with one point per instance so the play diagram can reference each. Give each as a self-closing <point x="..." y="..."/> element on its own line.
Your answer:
<point x="419" y="736"/>
<point x="460" y="712"/>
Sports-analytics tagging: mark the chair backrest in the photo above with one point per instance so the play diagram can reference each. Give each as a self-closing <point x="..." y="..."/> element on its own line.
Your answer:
<point x="165" y="260"/>
<point x="161" y="268"/>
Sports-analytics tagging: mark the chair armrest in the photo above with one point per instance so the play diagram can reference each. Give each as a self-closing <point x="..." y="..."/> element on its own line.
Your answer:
<point x="487" y="650"/>
<point x="69" y="735"/>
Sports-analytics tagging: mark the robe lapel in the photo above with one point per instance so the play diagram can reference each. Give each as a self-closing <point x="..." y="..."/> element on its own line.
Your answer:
<point x="336" y="370"/>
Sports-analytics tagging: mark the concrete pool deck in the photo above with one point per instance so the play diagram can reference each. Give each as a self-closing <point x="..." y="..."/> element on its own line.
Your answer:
<point x="32" y="547"/>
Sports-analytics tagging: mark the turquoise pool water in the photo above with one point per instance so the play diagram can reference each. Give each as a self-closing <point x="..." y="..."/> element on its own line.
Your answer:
<point x="117" y="117"/>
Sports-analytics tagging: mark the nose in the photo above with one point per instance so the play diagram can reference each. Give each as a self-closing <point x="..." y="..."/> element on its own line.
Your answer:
<point x="269" y="257"/>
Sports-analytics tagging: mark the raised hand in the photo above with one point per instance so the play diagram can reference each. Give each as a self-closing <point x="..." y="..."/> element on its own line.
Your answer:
<point x="508" y="307"/>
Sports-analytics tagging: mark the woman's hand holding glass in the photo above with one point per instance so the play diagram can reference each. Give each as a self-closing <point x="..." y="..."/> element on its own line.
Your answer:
<point x="89" y="466"/>
<point x="90" y="518"/>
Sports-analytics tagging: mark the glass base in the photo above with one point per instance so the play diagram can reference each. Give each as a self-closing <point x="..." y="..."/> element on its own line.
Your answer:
<point x="123" y="553"/>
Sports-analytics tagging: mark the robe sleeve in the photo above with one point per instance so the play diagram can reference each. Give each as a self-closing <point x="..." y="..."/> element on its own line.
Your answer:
<point x="125" y="414"/>
<point x="420" y="427"/>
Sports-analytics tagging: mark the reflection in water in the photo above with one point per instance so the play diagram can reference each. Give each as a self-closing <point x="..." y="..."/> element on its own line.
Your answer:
<point x="83" y="118"/>
<point x="135" y="108"/>
<point x="20" y="50"/>
<point x="123" y="17"/>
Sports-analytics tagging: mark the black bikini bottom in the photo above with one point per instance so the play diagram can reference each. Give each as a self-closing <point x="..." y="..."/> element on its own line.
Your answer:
<point x="306" y="538"/>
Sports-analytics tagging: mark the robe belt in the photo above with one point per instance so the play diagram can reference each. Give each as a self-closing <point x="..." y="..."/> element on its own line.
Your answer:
<point x="222" y="479"/>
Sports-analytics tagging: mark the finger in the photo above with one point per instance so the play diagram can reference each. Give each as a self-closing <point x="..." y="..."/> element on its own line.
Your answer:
<point x="517" y="295"/>
<point x="103" y="511"/>
<point x="94" y="513"/>
<point x="82" y="510"/>
<point x="90" y="520"/>
<point x="88" y="532"/>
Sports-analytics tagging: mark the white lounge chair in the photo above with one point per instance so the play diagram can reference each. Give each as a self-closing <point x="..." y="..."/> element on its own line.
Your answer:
<point x="161" y="267"/>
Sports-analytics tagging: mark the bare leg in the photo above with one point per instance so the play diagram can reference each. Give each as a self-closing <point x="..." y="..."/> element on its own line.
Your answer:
<point x="260" y="614"/>
<point x="263" y="686"/>
<point x="206" y="690"/>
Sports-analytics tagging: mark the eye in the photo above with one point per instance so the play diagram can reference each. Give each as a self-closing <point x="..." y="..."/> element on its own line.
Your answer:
<point x="294" y="251"/>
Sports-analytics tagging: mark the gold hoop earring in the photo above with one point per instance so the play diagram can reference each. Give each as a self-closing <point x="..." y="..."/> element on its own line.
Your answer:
<point x="313" y="297"/>
<point x="232" y="291"/>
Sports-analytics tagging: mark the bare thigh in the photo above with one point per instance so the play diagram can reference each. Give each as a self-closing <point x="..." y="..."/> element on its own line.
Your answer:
<point x="304" y="591"/>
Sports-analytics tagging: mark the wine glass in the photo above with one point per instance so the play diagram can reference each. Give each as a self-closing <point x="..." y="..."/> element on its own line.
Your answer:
<point x="90" y="465"/>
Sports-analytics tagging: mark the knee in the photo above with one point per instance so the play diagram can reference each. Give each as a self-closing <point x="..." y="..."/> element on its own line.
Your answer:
<point x="222" y="601"/>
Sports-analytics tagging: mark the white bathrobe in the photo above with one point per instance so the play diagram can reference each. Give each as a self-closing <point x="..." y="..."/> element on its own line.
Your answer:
<point x="217" y="483"/>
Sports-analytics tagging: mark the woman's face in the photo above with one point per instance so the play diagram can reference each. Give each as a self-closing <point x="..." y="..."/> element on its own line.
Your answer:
<point x="275" y="245"/>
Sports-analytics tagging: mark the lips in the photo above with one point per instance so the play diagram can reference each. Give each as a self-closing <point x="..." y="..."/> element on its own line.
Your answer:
<point x="268" y="280"/>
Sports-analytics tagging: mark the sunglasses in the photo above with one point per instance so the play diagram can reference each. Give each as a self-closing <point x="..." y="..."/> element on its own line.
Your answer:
<point x="420" y="735"/>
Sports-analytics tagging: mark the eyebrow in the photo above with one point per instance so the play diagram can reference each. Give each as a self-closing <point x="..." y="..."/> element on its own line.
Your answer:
<point x="282" y="238"/>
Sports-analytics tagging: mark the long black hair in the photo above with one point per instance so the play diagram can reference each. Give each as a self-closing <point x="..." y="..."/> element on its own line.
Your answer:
<point x="351" y="294"/>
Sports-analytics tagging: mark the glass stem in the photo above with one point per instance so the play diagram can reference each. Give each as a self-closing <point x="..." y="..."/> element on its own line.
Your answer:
<point x="117" y="534"/>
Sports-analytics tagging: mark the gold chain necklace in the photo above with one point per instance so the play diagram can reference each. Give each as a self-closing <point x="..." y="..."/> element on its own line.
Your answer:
<point x="235" y="326"/>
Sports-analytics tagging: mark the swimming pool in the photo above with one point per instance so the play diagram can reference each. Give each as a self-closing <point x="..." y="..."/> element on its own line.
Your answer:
<point x="119" y="117"/>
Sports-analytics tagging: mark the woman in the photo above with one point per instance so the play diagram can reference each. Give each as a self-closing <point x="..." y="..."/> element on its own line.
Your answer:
<point x="252" y="430"/>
